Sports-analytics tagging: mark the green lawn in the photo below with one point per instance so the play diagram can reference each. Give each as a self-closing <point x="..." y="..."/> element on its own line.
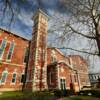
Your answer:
<point x="39" y="96"/>
<point x="25" y="96"/>
<point x="81" y="98"/>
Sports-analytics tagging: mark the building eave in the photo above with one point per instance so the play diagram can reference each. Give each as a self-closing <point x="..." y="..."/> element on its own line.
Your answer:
<point x="5" y="30"/>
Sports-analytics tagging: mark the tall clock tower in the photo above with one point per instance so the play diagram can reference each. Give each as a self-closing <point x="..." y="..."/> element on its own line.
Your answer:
<point x="37" y="67"/>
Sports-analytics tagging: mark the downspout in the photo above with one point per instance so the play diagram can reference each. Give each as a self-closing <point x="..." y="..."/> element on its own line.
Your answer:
<point x="58" y="77"/>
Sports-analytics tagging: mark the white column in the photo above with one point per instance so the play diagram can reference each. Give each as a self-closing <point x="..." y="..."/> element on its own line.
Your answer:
<point x="58" y="77"/>
<point x="78" y="80"/>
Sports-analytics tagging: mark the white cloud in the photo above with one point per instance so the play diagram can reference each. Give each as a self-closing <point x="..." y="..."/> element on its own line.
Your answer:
<point x="26" y="18"/>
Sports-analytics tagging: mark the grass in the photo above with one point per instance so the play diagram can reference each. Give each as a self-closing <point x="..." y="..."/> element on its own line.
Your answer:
<point x="81" y="98"/>
<point x="11" y="95"/>
<point x="18" y="95"/>
<point x="25" y="96"/>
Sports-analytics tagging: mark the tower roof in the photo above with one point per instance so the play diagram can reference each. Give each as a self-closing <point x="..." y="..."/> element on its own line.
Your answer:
<point x="40" y="11"/>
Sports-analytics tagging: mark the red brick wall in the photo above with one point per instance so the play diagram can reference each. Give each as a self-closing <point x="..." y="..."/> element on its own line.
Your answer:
<point x="52" y="80"/>
<point x="62" y="61"/>
<point x="38" y="52"/>
<point x="81" y="66"/>
<point x="78" y="64"/>
<point x="59" y="55"/>
<point x="17" y="63"/>
<point x="17" y="60"/>
<point x="65" y="72"/>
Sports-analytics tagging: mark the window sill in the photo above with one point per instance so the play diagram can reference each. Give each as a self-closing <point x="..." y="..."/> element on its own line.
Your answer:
<point x="20" y="83"/>
<point x="13" y="83"/>
<point x="2" y="83"/>
<point x="8" y="60"/>
<point x="24" y="63"/>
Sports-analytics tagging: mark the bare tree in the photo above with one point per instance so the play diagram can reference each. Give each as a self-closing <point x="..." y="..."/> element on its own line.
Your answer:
<point x="83" y="21"/>
<point x="6" y="6"/>
<point x="10" y="9"/>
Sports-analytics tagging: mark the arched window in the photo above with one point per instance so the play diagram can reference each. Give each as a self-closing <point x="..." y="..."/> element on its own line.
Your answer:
<point x="10" y="51"/>
<point x="14" y="77"/>
<point x="2" y="47"/>
<point x="26" y="54"/>
<point x="53" y="56"/>
<point x="62" y="84"/>
<point x="22" y="77"/>
<point x="4" y="76"/>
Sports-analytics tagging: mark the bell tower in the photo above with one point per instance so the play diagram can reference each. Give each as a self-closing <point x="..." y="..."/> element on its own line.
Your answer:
<point x="37" y="67"/>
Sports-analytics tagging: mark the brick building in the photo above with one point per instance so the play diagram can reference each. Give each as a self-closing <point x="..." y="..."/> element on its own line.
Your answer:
<point x="12" y="62"/>
<point x="45" y="68"/>
<point x="70" y="70"/>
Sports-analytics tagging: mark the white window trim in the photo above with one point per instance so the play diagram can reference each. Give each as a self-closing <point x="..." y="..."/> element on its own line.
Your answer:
<point x="12" y="52"/>
<point x="5" y="79"/>
<point x="1" y="58"/>
<point x="13" y="83"/>
<point x="24" y="55"/>
<point x="58" y="76"/>
<point x="21" y="77"/>
<point x="50" y="78"/>
<point x="65" y="81"/>
<point x="53" y="56"/>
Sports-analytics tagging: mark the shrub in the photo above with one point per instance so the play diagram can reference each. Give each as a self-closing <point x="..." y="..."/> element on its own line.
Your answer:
<point x="84" y="92"/>
<point x="58" y="93"/>
<point x="94" y="92"/>
<point x="43" y="93"/>
<point x="69" y="92"/>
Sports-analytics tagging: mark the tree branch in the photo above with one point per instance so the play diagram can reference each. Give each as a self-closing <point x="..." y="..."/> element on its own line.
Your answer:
<point x="90" y="53"/>
<point x="79" y="33"/>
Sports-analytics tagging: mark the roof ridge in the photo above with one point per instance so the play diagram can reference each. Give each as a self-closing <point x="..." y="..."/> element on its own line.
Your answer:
<point x="6" y="30"/>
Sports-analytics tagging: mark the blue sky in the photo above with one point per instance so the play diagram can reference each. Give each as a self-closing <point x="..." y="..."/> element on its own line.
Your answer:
<point x="22" y="22"/>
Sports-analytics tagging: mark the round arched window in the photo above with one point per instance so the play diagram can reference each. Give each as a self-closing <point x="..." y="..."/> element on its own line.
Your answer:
<point x="4" y="76"/>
